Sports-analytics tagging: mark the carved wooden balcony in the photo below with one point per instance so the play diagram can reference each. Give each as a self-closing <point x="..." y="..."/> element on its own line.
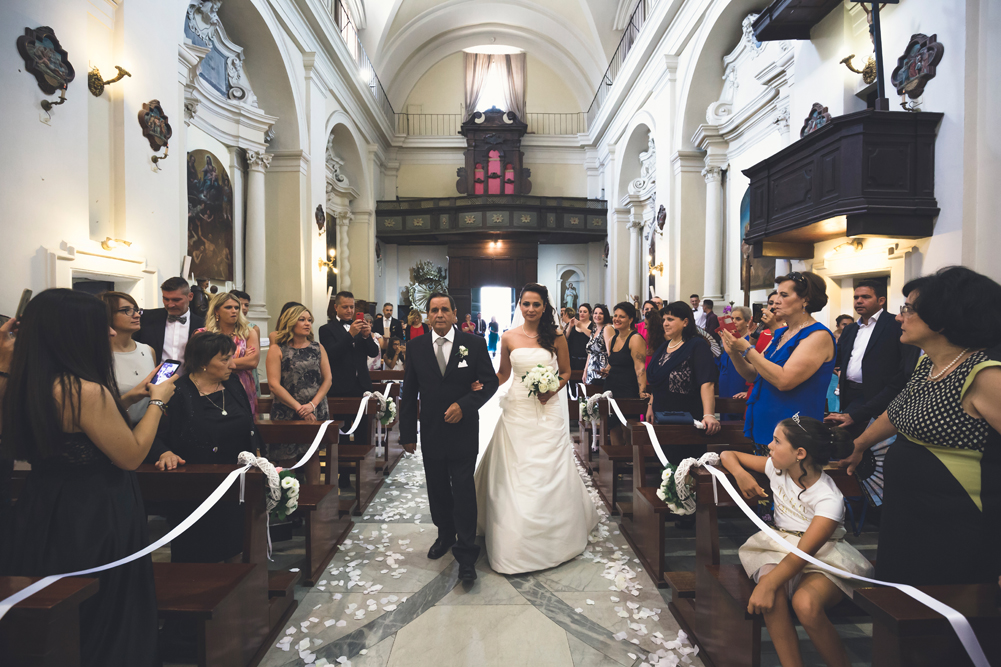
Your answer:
<point x="870" y="173"/>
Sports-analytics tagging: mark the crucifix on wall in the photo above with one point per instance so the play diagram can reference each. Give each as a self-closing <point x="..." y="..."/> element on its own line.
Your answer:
<point x="882" y="103"/>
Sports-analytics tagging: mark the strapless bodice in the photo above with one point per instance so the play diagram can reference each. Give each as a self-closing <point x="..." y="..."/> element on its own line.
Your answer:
<point x="523" y="359"/>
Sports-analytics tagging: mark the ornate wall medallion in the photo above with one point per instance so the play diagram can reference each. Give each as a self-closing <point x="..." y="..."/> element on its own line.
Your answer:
<point x="916" y="67"/>
<point x="154" y="123"/>
<point x="321" y="219"/>
<point x="818" y="118"/>
<point x="46" y="59"/>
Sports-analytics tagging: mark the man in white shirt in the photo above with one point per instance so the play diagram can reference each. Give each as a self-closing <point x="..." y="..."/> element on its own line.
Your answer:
<point x="700" y="316"/>
<point x="874" y="365"/>
<point x="168" y="329"/>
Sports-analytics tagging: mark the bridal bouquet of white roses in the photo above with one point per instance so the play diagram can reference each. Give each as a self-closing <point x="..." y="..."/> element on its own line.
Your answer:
<point x="540" y="380"/>
<point x="289" y="500"/>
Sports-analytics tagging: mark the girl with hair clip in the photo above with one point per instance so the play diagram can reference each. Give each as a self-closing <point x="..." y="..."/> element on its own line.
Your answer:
<point x="809" y="514"/>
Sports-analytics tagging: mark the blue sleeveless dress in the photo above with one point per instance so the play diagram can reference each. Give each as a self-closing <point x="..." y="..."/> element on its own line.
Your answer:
<point x="767" y="406"/>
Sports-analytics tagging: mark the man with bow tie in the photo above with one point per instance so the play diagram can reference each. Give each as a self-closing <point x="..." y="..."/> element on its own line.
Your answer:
<point x="349" y="344"/>
<point x="168" y="329"/>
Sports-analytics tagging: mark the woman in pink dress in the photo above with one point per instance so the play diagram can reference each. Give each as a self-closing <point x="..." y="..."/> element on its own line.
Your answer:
<point x="225" y="316"/>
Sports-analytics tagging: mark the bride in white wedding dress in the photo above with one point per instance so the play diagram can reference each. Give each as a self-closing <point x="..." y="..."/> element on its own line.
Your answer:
<point x="533" y="507"/>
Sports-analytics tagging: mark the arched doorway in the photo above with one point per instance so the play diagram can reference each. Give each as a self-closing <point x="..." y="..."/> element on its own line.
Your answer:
<point x="489" y="263"/>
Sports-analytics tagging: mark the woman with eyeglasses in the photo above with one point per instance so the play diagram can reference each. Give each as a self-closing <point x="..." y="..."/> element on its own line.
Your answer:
<point x="943" y="471"/>
<point x="792" y="375"/>
<point x="135" y="363"/>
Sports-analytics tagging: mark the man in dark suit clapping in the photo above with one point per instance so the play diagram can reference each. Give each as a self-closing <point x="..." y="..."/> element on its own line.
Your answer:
<point x="168" y="329"/>
<point x="440" y="371"/>
<point x="874" y="365"/>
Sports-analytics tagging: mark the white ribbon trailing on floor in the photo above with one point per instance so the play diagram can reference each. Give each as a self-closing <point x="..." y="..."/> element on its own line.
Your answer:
<point x="200" y="511"/>
<point x="958" y="622"/>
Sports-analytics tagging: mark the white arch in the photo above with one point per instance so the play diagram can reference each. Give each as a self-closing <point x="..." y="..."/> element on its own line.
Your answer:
<point x="627" y="165"/>
<point x="703" y="78"/>
<point x="410" y="54"/>
<point x="359" y="173"/>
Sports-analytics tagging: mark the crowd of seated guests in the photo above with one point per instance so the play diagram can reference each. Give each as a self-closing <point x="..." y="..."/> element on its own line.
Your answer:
<point x="83" y="411"/>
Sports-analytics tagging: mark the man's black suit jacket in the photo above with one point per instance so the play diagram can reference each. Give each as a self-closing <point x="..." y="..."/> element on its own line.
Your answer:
<point x="886" y="367"/>
<point x="153" y="327"/>
<point x="395" y="328"/>
<point x="348" y="357"/>
<point x="712" y="324"/>
<point x="439" y="439"/>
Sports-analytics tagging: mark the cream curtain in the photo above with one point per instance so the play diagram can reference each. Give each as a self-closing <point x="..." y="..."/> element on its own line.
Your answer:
<point x="477" y="66"/>
<point x="512" y="68"/>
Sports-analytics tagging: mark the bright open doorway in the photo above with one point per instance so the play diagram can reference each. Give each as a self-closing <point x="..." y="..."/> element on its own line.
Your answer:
<point x="496" y="302"/>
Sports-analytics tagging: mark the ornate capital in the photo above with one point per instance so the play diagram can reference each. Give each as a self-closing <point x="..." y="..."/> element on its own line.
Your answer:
<point x="713" y="174"/>
<point x="782" y="119"/>
<point x="258" y="160"/>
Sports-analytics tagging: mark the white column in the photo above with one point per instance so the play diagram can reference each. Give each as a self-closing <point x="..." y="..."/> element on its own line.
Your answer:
<point x="636" y="270"/>
<point x="236" y="178"/>
<point x="257" y="283"/>
<point x="343" y="252"/>
<point x="714" y="234"/>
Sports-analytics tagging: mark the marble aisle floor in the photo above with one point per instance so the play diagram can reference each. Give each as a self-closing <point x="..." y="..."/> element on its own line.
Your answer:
<point x="383" y="603"/>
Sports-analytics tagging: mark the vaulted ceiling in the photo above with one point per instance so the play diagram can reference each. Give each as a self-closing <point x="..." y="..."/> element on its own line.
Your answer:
<point x="576" y="38"/>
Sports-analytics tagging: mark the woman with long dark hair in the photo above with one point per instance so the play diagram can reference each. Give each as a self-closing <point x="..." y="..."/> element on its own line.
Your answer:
<point x="80" y="506"/>
<point x="597" y="354"/>
<point x="682" y="372"/>
<point x="578" y="335"/>
<point x="627" y="362"/>
<point x="528" y="468"/>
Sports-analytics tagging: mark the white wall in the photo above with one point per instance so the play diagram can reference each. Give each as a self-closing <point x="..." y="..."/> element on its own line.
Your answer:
<point x="54" y="170"/>
<point x="556" y="258"/>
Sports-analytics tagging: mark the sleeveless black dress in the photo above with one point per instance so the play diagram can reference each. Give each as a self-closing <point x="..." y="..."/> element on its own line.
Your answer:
<point x="78" y="510"/>
<point x="621" y="380"/>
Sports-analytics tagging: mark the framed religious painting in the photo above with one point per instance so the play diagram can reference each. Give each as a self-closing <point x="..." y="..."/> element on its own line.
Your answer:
<point x="916" y="67"/>
<point x="210" y="217"/>
<point x="45" y="59"/>
<point x="818" y="118"/>
<point x="154" y="124"/>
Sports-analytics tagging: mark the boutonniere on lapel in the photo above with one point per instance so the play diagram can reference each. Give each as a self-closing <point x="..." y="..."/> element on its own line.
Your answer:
<point x="463" y="353"/>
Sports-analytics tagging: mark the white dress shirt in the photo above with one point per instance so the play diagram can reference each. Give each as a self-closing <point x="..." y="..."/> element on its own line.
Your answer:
<point x="175" y="338"/>
<point x="854" y="370"/>
<point x="700" y="318"/>
<point x="387" y="324"/>
<point x="446" y="349"/>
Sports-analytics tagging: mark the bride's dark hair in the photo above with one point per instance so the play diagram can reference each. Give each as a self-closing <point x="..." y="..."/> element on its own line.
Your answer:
<point x="547" y="323"/>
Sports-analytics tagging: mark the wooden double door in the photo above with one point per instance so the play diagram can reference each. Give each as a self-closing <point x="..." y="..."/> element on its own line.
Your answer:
<point x="486" y="264"/>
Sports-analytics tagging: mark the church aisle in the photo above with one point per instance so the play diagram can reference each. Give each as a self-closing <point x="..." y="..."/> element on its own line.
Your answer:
<point x="383" y="603"/>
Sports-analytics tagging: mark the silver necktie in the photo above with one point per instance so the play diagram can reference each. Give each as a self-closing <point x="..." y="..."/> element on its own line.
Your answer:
<point x="440" y="353"/>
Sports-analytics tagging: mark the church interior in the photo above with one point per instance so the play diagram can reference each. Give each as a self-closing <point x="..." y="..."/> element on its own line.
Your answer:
<point x="608" y="150"/>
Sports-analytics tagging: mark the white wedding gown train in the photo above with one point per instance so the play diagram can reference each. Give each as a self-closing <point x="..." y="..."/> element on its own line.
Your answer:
<point x="533" y="507"/>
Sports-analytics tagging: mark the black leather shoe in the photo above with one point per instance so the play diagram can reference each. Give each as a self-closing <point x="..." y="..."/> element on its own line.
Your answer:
<point x="467" y="573"/>
<point x="439" y="548"/>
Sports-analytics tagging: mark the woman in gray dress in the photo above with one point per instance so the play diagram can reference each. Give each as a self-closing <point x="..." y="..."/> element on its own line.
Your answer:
<point x="299" y="377"/>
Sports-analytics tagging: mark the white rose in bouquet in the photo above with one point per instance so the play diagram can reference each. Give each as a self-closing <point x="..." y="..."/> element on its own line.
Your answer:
<point x="287" y="482"/>
<point x="292" y="504"/>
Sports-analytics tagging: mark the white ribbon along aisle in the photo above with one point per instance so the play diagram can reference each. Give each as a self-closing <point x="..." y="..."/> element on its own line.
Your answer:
<point x="958" y="622"/>
<point x="207" y="504"/>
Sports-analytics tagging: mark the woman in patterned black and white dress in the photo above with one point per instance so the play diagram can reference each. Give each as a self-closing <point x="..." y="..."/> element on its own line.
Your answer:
<point x="941" y="515"/>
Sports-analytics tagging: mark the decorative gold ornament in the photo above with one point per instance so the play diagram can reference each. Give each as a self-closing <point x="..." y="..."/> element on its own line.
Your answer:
<point x="96" y="84"/>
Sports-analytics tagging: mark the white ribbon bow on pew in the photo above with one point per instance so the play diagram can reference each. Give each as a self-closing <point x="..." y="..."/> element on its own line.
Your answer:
<point x="200" y="511"/>
<point x="383" y="397"/>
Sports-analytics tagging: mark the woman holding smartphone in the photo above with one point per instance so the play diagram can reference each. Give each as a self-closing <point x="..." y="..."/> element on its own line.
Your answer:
<point x="135" y="363"/>
<point x="80" y="506"/>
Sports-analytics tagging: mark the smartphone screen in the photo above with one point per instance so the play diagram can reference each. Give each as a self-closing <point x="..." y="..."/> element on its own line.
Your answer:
<point x="25" y="298"/>
<point x="166" y="371"/>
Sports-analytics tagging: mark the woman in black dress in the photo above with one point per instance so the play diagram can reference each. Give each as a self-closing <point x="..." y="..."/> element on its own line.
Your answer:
<point x="627" y="362"/>
<point x="209" y="421"/>
<point x="941" y="513"/>
<point x="80" y="506"/>
<point x="682" y="371"/>
<point x="578" y="334"/>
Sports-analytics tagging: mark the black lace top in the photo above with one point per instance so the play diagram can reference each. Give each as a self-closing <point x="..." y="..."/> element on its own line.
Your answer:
<point x="77" y="450"/>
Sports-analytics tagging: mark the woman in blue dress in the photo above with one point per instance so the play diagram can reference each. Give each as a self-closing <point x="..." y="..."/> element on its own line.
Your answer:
<point x="793" y="374"/>
<point x="731" y="382"/>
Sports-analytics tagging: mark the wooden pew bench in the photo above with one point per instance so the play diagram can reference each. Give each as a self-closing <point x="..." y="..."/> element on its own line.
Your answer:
<point x="327" y="516"/>
<point x="646" y="532"/>
<point x="614" y="460"/>
<point x="358" y="458"/>
<point x="44" y="629"/>
<point x="238" y="609"/>
<point x="717" y="616"/>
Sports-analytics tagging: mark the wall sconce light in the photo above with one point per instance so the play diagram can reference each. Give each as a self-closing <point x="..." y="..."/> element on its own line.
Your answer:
<point x="157" y="158"/>
<point x="113" y="244"/>
<point x="328" y="263"/>
<point x="47" y="105"/>
<point x="836" y="250"/>
<point x="868" y="72"/>
<point x="659" y="268"/>
<point x="96" y="84"/>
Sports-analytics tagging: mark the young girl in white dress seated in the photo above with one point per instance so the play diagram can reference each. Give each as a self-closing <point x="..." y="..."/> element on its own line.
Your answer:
<point x="809" y="514"/>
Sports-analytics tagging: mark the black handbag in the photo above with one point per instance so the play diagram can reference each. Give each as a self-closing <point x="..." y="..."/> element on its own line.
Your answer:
<point x="682" y="418"/>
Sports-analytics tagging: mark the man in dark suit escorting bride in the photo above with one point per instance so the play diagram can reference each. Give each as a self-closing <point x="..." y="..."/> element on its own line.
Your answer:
<point x="440" y="371"/>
